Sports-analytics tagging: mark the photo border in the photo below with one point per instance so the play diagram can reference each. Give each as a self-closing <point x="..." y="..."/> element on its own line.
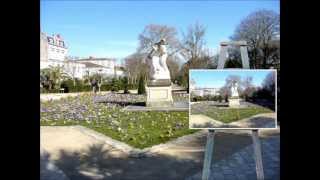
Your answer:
<point x="234" y="69"/>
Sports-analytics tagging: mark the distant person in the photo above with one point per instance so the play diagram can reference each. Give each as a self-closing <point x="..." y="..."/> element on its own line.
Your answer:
<point x="94" y="85"/>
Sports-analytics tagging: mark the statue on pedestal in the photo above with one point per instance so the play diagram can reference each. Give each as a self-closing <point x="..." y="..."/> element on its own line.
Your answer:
<point x="159" y="92"/>
<point x="157" y="62"/>
<point x="234" y="100"/>
<point x="234" y="89"/>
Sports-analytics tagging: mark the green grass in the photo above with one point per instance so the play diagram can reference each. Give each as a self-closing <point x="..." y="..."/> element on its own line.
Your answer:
<point x="138" y="129"/>
<point x="228" y="115"/>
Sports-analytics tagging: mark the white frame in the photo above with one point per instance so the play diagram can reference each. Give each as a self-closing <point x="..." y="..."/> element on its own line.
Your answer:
<point x="231" y="69"/>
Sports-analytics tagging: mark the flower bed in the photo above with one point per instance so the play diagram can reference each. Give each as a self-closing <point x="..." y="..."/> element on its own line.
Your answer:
<point x="105" y="114"/>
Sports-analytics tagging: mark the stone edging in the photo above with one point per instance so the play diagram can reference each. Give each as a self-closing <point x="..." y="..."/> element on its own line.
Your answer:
<point x="135" y="152"/>
<point x="236" y="123"/>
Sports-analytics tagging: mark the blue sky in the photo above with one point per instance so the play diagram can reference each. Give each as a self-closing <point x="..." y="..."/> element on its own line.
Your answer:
<point x="216" y="79"/>
<point x="111" y="29"/>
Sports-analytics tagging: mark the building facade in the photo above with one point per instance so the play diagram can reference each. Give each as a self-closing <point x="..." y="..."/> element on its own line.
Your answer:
<point x="74" y="69"/>
<point x="53" y="52"/>
<point x="205" y="92"/>
<point x="103" y="66"/>
<point x="57" y="49"/>
<point x="43" y="47"/>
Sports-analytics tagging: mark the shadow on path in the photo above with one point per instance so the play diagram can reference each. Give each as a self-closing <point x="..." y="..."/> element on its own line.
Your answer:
<point x="99" y="162"/>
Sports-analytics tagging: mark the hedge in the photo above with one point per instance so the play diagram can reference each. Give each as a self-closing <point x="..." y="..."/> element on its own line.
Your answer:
<point x="69" y="87"/>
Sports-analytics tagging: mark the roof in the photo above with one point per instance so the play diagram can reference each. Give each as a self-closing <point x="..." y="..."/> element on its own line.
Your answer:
<point x="92" y="65"/>
<point x="95" y="59"/>
<point x="205" y="88"/>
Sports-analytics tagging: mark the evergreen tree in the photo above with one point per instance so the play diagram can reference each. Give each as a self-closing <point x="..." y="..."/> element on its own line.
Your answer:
<point x="125" y="85"/>
<point x="141" y="88"/>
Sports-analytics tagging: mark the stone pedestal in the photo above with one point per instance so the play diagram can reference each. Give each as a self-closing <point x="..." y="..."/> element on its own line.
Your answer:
<point x="234" y="102"/>
<point x="159" y="96"/>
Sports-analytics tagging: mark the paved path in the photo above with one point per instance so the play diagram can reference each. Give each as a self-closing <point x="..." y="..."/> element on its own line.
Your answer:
<point x="241" y="165"/>
<point x="264" y="120"/>
<point x="82" y="157"/>
<point x="48" y="171"/>
<point x="203" y="121"/>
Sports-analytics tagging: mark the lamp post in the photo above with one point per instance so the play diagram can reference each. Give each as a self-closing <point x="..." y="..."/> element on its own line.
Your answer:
<point x="100" y="82"/>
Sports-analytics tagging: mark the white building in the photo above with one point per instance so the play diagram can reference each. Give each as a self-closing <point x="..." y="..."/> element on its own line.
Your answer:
<point x="205" y="91"/>
<point x="53" y="52"/>
<point x="197" y="92"/>
<point x="74" y="69"/>
<point x="211" y="91"/>
<point x="119" y="71"/>
<point x="57" y="49"/>
<point x="104" y="66"/>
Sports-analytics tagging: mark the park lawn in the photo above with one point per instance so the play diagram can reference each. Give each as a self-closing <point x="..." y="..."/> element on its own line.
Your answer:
<point x="228" y="115"/>
<point x="138" y="129"/>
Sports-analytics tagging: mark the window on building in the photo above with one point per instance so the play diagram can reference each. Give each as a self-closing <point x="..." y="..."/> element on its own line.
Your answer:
<point x="50" y="40"/>
<point x="62" y="51"/>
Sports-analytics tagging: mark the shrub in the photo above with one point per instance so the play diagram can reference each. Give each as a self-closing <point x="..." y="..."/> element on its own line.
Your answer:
<point x="80" y="86"/>
<point x="115" y="85"/>
<point x="43" y="90"/>
<point x="233" y="63"/>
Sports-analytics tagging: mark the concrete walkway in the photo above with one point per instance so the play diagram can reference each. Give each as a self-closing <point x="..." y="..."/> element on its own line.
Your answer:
<point x="203" y="121"/>
<point x="241" y="165"/>
<point x="48" y="171"/>
<point x="264" y="120"/>
<point x="82" y="157"/>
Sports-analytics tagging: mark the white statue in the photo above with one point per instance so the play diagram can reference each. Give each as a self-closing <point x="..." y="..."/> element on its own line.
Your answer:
<point x="157" y="61"/>
<point x="234" y="89"/>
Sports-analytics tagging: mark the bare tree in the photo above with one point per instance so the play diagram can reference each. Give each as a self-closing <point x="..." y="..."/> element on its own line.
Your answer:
<point x="193" y="42"/>
<point x="248" y="87"/>
<point x="259" y="29"/>
<point x="269" y="82"/>
<point x="135" y="66"/>
<point x="153" y="33"/>
<point x="193" y="49"/>
<point x="225" y="91"/>
<point x="174" y="67"/>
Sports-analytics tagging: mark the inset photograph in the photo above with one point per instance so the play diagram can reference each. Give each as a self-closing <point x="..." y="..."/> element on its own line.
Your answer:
<point x="233" y="99"/>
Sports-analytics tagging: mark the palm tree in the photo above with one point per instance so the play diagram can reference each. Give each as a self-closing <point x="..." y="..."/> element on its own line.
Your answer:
<point x="57" y="75"/>
<point x="45" y="78"/>
<point x="86" y="77"/>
